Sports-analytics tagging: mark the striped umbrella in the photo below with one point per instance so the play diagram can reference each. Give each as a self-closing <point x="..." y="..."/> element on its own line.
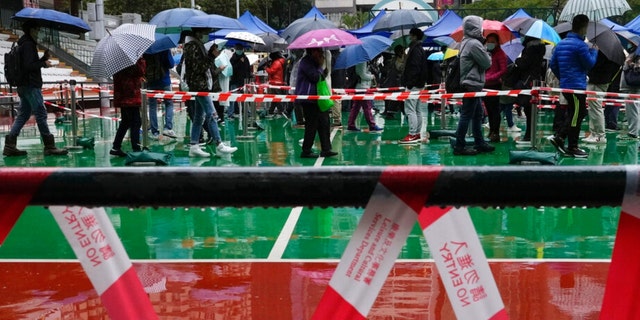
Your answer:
<point x="121" y="48"/>
<point x="596" y="10"/>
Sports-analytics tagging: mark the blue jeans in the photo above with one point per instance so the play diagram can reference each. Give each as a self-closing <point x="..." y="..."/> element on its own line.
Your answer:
<point x="231" y="109"/>
<point x="31" y="102"/>
<point x="507" y="109"/>
<point x="414" y="115"/>
<point x="204" y="111"/>
<point x="470" y="112"/>
<point x="153" y="111"/>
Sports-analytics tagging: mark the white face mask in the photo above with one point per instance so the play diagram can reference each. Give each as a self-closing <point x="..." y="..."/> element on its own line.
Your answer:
<point x="491" y="46"/>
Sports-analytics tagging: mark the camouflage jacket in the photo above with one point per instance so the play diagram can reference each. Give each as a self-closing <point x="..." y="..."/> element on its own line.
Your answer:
<point x="197" y="62"/>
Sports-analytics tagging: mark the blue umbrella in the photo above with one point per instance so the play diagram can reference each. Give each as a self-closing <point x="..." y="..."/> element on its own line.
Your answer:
<point x="213" y="21"/>
<point x="163" y="42"/>
<point x="370" y="47"/>
<point x="535" y="28"/>
<point x="402" y="19"/>
<point x="52" y="19"/>
<point x="171" y="20"/>
<point x="436" y="56"/>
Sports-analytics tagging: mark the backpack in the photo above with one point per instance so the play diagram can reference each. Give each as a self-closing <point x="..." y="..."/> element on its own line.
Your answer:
<point x="452" y="76"/>
<point x="13" y="66"/>
<point x="352" y="78"/>
<point x="155" y="71"/>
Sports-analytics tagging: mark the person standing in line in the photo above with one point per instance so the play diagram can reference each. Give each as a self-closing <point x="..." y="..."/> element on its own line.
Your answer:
<point x="275" y="70"/>
<point x="474" y="61"/>
<point x="394" y="71"/>
<point x="570" y="62"/>
<point x="632" y="109"/>
<point x="198" y="75"/>
<point x="366" y="105"/>
<point x="158" y="78"/>
<point x="127" y="85"/>
<point x="241" y="72"/>
<point x="493" y="82"/>
<point x="310" y="72"/>
<point x="600" y="76"/>
<point x="413" y="78"/>
<point x="531" y="68"/>
<point x="30" y="93"/>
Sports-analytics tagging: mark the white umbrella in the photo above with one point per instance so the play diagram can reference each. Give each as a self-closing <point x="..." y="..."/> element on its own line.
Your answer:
<point x="596" y="10"/>
<point x="121" y="48"/>
<point x="244" y="36"/>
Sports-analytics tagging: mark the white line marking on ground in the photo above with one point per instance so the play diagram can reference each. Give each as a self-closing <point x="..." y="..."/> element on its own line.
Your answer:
<point x="287" y="230"/>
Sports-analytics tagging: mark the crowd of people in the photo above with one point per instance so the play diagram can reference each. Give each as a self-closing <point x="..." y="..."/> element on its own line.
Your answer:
<point x="574" y="64"/>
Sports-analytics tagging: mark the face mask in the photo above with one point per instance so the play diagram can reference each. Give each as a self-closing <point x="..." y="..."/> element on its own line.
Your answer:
<point x="491" y="46"/>
<point x="239" y="52"/>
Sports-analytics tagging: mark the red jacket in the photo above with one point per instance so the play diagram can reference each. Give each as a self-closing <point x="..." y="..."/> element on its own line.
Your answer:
<point x="276" y="71"/>
<point x="127" y="84"/>
<point x="497" y="69"/>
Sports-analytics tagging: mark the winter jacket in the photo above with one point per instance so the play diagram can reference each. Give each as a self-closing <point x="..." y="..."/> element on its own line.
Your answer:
<point x="571" y="60"/>
<point x="474" y="58"/>
<point x="199" y="64"/>
<point x="31" y="62"/>
<point x="497" y="69"/>
<point x="276" y="71"/>
<point x="241" y="69"/>
<point x="309" y="73"/>
<point x="365" y="76"/>
<point x="127" y="84"/>
<point x="412" y="76"/>
<point x="604" y="70"/>
<point x="629" y="62"/>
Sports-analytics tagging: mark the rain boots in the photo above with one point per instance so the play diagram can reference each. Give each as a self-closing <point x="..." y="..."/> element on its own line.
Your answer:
<point x="50" y="146"/>
<point x="10" y="149"/>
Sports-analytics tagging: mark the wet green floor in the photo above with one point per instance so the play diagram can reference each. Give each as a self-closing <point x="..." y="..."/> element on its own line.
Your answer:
<point x="225" y="233"/>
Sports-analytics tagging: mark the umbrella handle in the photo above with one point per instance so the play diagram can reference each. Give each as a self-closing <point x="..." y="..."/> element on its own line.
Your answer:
<point x="109" y="32"/>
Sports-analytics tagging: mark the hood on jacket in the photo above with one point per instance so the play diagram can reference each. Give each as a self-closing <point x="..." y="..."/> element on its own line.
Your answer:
<point x="472" y="27"/>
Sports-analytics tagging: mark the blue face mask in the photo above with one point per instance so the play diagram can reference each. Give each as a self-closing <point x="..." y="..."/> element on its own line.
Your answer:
<point x="239" y="52"/>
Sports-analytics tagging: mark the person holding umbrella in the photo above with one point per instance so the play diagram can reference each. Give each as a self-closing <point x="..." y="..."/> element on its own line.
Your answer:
<point x="310" y="72"/>
<point x="198" y="75"/>
<point x="30" y="93"/>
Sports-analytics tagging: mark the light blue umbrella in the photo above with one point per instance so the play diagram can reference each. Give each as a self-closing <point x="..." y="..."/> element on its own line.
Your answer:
<point x="535" y="28"/>
<point x="370" y="47"/>
<point x="171" y="20"/>
<point x="213" y="21"/>
<point x="163" y="42"/>
<point x="436" y="56"/>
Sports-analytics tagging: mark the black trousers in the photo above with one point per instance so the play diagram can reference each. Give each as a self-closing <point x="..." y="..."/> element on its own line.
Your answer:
<point x="576" y="111"/>
<point x="315" y="121"/>
<point x="132" y="121"/>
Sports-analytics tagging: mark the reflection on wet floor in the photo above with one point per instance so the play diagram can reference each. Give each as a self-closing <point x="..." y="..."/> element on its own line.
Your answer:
<point x="263" y="290"/>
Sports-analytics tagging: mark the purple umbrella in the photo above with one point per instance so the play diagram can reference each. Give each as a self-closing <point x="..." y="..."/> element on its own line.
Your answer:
<point x="324" y="38"/>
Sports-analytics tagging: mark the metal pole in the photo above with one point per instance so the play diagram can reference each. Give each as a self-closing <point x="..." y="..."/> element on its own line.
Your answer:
<point x="245" y="115"/>
<point x="144" y="115"/>
<point x="74" y="117"/>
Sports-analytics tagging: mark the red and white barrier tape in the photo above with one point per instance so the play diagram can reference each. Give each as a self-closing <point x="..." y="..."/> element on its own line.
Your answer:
<point x="80" y="112"/>
<point x="377" y="241"/>
<point x="105" y="261"/>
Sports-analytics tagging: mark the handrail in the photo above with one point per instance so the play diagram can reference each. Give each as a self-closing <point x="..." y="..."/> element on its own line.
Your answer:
<point x="501" y="186"/>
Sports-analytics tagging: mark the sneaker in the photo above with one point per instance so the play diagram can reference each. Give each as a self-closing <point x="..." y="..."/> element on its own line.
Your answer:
<point x="523" y="142"/>
<point x="327" y="154"/>
<point x="153" y="135"/>
<point x="590" y="139"/>
<point x="223" y="148"/>
<point x="309" y="155"/>
<point x="169" y="133"/>
<point x="410" y="138"/>
<point x="117" y="152"/>
<point x="375" y="129"/>
<point x="577" y="152"/>
<point x="484" y="148"/>
<point x="353" y="129"/>
<point x="514" y="128"/>
<point x="464" y="152"/>
<point x="557" y="143"/>
<point x="195" y="152"/>
<point x="611" y="130"/>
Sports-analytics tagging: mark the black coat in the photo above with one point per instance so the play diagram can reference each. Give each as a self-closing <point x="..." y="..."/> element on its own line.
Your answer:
<point x="31" y="62"/>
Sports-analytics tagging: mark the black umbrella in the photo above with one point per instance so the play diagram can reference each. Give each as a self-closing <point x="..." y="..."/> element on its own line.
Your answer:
<point x="304" y="25"/>
<point x="272" y="42"/>
<point x="606" y="40"/>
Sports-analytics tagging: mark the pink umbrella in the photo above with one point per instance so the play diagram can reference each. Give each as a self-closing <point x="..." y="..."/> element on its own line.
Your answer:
<point x="324" y="38"/>
<point x="488" y="27"/>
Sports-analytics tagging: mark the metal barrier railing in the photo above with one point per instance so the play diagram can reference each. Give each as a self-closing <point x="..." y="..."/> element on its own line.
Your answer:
<point x="325" y="186"/>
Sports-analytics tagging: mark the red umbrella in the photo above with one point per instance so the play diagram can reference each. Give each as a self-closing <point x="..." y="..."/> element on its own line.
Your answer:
<point x="488" y="27"/>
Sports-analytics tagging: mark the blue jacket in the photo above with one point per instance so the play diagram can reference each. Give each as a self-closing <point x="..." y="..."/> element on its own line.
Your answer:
<point x="571" y="60"/>
<point x="309" y="73"/>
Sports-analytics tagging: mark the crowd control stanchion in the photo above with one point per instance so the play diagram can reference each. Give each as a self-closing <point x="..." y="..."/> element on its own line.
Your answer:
<point x="443" y="109"/>
<point x="245" y="116"/>
<point x="74" y="117"/>
<point x="144" y="115"/>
